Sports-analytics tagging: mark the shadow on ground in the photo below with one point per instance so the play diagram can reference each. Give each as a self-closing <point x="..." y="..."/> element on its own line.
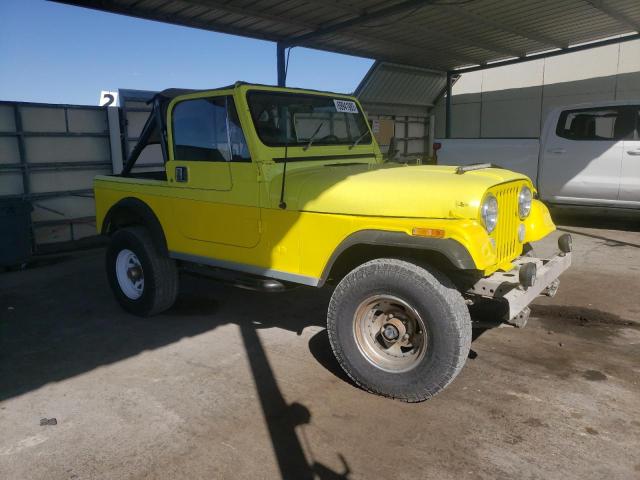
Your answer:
<point x="60" y="320"/>
<point x="320" y="348"/>
<point x="608" y="241"/>
<point x="610" y="219"/>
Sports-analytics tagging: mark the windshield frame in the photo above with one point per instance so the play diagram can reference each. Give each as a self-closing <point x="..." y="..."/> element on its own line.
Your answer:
<point x="301" y="144"/>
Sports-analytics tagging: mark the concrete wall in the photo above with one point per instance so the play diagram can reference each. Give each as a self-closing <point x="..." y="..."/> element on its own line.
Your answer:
<point x="513" y="101"/>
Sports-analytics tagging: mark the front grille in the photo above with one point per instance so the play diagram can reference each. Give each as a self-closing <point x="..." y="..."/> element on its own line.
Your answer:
<point x="506" y="233"/>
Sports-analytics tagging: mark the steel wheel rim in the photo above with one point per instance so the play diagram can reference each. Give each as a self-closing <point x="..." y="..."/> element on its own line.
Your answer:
<point x="129" y="274"/>
<point x="375" y="322"/>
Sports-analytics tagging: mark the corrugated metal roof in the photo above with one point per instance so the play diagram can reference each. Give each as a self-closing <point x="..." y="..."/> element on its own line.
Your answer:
<point x="393" y="84"/>
<point x="437" y="34"/>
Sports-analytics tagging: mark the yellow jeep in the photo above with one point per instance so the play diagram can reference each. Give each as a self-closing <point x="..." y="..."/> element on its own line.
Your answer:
<point x="269" y="188"/>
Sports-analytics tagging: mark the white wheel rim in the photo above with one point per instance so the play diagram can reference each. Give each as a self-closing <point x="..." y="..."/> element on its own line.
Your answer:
<point x="130" y="274"/>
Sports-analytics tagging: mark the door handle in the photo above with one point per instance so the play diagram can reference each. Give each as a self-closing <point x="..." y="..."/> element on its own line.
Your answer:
<point x="557" y="150"/>
<point x="181" y="174"/>
<point x="634" y="152"/>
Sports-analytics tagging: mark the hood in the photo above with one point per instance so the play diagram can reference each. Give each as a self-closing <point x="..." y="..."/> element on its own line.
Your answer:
<point x="421" y="191"/>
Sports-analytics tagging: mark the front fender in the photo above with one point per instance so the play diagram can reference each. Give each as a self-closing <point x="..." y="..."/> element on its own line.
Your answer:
<point x="451" y="249"/>
<point x="539" y="223"/>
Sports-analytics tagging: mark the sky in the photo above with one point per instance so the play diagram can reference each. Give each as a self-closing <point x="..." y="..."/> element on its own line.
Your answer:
<point x="57" y="53"/>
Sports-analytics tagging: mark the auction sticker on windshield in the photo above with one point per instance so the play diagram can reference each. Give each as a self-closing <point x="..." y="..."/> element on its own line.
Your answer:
<point x="345" y="106"/>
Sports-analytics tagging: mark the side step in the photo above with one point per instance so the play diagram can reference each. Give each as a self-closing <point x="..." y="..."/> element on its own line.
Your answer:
<point x="237" y="279"/>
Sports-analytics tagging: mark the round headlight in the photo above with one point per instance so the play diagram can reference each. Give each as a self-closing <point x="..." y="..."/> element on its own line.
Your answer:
<point x="524" y="202"/>
<point x="489" y="212"/>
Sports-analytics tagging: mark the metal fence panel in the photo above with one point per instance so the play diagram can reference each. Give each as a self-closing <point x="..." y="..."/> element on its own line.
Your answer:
<point x="7" y="119"/>
<point x="49" y="155"/>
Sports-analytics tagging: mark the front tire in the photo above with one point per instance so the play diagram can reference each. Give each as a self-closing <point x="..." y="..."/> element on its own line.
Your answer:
<point x="144" y="281"/>
<point x="398" y="329"/>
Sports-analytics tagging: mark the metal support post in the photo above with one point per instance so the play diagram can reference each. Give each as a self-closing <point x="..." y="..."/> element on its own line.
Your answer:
<point x="282" y="69"/>
<point x="448" y="106"/>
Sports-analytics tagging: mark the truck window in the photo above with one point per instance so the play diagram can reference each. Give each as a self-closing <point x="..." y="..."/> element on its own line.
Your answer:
<point x="607" y="123"/>
<point x="238" y="144"/>
<point x="293" y="119"/>
<point x="204" y="131"/>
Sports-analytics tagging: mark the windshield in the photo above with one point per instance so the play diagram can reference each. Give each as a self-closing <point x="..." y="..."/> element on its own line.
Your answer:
<point x="298" y="119"/>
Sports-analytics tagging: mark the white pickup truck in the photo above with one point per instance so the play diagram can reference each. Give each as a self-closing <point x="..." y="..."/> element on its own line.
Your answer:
<point x="587" y="155"/>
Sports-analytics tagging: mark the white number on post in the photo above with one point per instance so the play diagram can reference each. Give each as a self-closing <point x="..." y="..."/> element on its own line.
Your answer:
<point x="108" y="99"/>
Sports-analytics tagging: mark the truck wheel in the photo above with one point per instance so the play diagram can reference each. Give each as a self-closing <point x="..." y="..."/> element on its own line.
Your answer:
<point x="398" y="329"/>
<point x="144" y="281"/>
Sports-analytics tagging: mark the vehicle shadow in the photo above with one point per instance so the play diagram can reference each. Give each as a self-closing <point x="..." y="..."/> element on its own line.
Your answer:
<point x="56" y="324"/>
<point x="320" y="348"/>
<point x="610" y="219"/>
<point x="282" y="418"/>
<point x="609" y="242"/>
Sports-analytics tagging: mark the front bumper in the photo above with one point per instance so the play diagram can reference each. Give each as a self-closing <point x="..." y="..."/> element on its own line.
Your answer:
<point x="508" y="287"/>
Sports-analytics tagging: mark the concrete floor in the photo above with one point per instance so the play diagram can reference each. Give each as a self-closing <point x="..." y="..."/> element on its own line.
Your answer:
<point x="235" y="384"/>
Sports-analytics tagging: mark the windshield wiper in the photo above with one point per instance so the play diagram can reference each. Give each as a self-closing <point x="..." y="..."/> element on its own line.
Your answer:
<point x="311" y="138"/>
<point x="359" y="139"/>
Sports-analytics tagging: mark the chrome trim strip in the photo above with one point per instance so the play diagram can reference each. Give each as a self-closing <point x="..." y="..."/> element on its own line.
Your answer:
<point x="243" y="267"/>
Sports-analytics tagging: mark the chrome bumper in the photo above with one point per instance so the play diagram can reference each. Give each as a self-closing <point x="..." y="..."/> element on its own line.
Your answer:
<point x="507" y="287"/>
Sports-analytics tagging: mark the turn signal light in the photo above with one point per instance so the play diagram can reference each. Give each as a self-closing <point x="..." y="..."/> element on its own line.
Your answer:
<point x="427" y="232"/>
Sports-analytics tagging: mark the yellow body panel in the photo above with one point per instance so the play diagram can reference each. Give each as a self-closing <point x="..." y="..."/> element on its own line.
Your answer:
<point x="239" y="222"/>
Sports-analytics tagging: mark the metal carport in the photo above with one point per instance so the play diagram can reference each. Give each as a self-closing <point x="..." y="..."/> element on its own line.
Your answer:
<point x="452" y="36"/>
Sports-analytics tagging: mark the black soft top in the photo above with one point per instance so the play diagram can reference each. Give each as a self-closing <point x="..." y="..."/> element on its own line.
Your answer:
<point x="170" y="93"/>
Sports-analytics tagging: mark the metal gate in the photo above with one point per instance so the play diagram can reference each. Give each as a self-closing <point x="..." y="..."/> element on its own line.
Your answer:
<point x="49" y="155"/>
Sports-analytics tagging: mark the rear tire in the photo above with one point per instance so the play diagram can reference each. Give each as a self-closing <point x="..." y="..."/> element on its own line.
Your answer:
<point x="422" y="313"/>
<point x="144" y="281"/>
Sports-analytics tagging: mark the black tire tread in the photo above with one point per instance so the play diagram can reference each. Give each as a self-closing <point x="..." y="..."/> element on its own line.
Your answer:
<point x="408" y="271"/>
<point x="163" y="270"/>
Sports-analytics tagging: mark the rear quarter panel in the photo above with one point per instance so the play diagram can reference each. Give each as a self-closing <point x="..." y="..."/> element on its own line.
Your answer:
<point x="110" y="190"/>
